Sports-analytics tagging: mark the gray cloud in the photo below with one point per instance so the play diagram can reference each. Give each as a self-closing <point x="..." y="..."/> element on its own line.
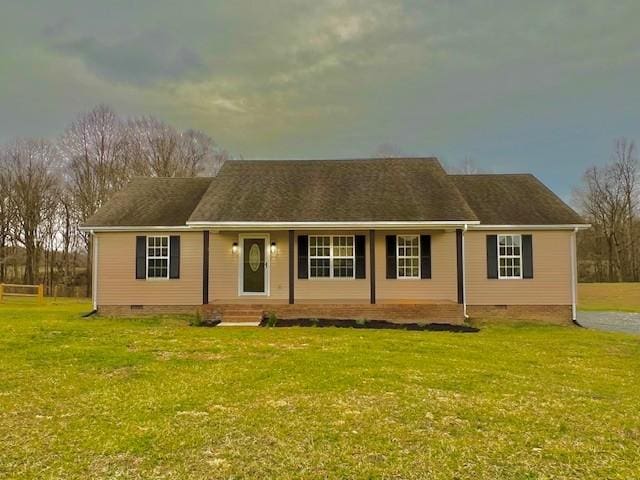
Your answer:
<point x="142" y="59"/>
<point x="516" y="85"/>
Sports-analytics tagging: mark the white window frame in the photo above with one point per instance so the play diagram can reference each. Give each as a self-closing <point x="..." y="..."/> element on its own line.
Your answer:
<point x="398" y="256"/>
<point x="499" y="256"/>
<point x="155" y="257"/>
<point x="331" y="257"/>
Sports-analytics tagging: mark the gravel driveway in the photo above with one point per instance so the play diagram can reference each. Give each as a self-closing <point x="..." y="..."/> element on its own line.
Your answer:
<point x="611" y="321"/>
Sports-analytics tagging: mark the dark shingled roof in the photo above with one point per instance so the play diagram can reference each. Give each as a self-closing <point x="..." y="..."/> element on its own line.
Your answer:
<point x="514" y="199"/>
<point x="152" y="202"/>
<point x="396" y="189"/>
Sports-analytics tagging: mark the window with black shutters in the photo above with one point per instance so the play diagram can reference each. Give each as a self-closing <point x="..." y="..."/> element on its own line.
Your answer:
<point x="158" y="257"/>
<point x="408" y="255"/>
<point x="331" y="256"/>
<point x="509" y="256"/>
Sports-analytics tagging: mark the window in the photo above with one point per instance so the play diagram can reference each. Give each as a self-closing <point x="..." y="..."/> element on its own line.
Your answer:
<point x="157" y="257"/>
<point x="331" y="257"/>
<point x="408" y="256"/>
<point x="509" y="256"/>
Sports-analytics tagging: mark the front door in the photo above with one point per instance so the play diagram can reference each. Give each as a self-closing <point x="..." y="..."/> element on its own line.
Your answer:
<point x="254" y="266"/>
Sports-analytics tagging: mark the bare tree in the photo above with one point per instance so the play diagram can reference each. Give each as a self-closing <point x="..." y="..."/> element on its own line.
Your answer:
<point x="46" y="192"/>
<point x="6" y="216"/>
<point x="388" y="150"/>
<point x="467" y="166"/>
<point x="203" y="151"/>
<point x="33" y="176"/>
<point x="608" y="198"/>
<point x="159" y="149"/>
<point x="626" y="170"/>
<point x="96" y="165"/>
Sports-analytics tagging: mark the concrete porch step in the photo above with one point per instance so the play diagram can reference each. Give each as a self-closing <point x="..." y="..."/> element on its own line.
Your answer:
<point x="238" y="324"/>
<point x="246" y="313"/>
<point x="241" y="318"/>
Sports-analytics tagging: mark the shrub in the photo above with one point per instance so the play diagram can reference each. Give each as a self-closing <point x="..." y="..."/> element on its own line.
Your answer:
<point x="314" y="322"/>
<point x="196" y="320"/>
<point x="361" y="322"/>
<point x="272" y="320"/>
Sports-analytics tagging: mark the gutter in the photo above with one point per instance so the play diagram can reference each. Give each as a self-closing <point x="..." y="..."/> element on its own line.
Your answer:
<point x="355" y="225"/>
<point x="390" y="225"/>
<point x="464" y="277"/>
<point x="568" y="226"/>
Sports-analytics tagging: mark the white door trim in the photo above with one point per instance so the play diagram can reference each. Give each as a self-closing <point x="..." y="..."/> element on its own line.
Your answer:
<point x="267" y="264"/>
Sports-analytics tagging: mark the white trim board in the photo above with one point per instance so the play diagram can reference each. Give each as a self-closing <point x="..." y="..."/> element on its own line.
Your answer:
<point x="250" y="226"/>
<point x="141" y="228"/>
<point x="332" y="225"/>
<point x="530" y="227"/>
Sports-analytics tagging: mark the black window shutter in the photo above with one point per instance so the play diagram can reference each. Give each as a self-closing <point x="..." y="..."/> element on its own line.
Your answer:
<point x="425" y="256"/>
<point x="527" y="256"/>
<point x="174" y="256"/>
<point x="303" y="256"/>
<point x="492" y="256"/>
<point x="391" y="256"/>
<point x="141" y="257"/>
<point x="360" y="256"/>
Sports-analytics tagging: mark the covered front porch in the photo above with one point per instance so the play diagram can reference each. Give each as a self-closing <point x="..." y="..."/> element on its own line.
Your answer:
<point x="402" y="275"/>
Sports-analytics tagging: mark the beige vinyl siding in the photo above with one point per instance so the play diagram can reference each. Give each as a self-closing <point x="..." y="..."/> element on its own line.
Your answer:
<point x="551" y="282"/>
<point x="117" y="284"/>
<point x="332" y="290"/>
<point x="443" y="283"/>
<point x="224" y="269"/>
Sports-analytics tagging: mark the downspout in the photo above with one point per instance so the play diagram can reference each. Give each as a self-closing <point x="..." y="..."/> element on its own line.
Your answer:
<point x="574" y="276"/>
<point x="464" y="277"/>
<point x="94" y="279"/>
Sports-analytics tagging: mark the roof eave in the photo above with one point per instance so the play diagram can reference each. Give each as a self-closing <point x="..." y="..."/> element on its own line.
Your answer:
<point x="550" y="226"/>
<point x="396" y="225"/>
<point x="134" y="228"/>
<point x="234" y="225"/>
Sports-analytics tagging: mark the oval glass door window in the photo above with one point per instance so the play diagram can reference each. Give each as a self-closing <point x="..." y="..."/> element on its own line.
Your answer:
<point x="254" y="257"/>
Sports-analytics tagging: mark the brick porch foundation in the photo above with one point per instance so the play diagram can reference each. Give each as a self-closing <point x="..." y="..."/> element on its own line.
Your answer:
<point x="398" y="313"/>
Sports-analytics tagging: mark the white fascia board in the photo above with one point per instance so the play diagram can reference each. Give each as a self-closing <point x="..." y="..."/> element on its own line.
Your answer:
<point x="191" y="226"/>
<point x="581" y="226"/>
<point x="141" y="228"/>
<point x="328" y="225"/>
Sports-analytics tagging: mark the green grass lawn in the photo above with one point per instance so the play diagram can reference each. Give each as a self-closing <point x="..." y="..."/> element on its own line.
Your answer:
<point x="155" y="398"/>
<point x="623" y="297"/>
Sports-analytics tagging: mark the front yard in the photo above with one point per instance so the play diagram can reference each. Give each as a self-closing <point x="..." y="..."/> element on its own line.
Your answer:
<point x="622" y="297"/>
<point x="155" y="398"/>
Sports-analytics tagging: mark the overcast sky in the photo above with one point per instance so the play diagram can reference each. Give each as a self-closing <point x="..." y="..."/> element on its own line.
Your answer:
<point x="540" y="86"/>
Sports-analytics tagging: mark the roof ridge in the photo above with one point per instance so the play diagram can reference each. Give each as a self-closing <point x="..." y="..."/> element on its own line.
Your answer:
<point x="347" y="159"/>
<point x="151" y="177"/>
<point x="522" y="174"/>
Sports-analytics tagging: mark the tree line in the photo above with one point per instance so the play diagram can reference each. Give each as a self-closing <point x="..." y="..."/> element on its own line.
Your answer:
<point x="48" y="188"/>
<point x="609" y="199"/>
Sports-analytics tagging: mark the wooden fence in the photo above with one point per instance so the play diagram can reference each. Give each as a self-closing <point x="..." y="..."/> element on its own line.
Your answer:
<point x="12" y="287"/>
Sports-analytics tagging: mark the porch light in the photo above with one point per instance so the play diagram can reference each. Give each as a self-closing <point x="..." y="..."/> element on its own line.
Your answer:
<point x="234" y="247"/>
<point x="273" y="247"/>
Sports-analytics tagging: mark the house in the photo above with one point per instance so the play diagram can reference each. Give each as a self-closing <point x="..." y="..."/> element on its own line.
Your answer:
<point x="396" y="239"/>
